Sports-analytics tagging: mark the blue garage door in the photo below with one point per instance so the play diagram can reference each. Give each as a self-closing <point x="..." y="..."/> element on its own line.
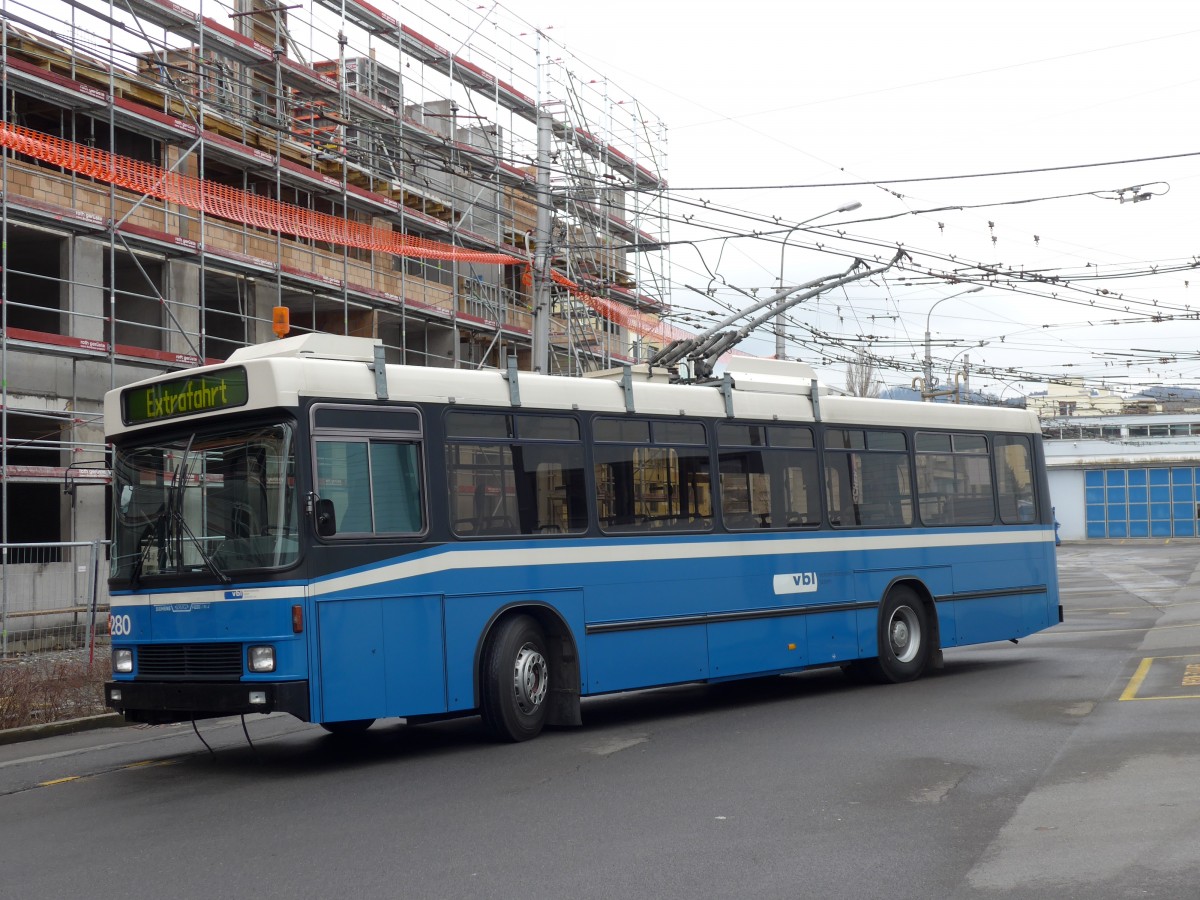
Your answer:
<point x="1138" y="503"/>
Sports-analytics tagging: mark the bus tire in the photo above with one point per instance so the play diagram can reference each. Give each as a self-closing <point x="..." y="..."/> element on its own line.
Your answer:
<point x="905" y="638"/>
<point x="349" y="727"/>
<point x="516" y="680"/>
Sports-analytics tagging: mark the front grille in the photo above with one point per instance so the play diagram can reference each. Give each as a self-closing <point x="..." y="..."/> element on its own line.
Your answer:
<point x="203" y="661"/>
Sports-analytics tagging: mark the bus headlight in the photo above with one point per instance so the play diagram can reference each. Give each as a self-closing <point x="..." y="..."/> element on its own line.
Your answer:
<point x="261" y="659"/>
<point x="122" y="661"/>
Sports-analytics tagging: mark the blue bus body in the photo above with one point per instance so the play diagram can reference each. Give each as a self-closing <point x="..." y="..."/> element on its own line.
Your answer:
<point x="368" y="628"/>
<point x="403" y="638"/>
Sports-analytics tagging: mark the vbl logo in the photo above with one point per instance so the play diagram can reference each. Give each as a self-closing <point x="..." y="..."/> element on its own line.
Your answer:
<point x="796" y="583"/>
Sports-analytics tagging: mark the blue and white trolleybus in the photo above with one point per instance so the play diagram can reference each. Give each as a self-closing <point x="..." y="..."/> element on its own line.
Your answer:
<point x="306" y="529"/>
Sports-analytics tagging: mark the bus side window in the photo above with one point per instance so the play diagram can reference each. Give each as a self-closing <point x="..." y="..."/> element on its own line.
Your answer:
<point x="743" y="505"/>
<point x="374" y="486"/>
<point x="798" y="481"/>
<point x="837" y="490"/>
<point x="396" y="487"/>
<point x="1014" y="480"/>
<point x="343" y="477"/>
<point x="514" y="474"/>
<point x="867" y="478"/>
<point x="653" y="475"/>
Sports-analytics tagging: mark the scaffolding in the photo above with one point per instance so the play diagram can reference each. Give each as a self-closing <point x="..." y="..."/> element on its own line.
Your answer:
<point x="173" y="171"/>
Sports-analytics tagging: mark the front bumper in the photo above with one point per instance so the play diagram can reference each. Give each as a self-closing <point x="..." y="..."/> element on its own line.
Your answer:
<point x="160" y="702"/>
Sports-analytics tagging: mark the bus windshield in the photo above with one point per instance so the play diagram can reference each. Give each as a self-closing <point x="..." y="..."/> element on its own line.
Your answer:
<point x="206" y="502"/>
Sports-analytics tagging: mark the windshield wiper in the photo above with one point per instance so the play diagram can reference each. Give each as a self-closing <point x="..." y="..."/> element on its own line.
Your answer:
<point x="135" y="573"/>
<point x="175" y="518"/>
<point x="182" y="525"/>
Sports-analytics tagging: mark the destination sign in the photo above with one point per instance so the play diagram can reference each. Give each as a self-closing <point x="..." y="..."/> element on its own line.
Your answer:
<point x="188" y="396"/>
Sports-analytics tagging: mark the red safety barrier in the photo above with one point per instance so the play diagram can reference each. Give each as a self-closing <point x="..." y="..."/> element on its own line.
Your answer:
<point x="229" y="203"/>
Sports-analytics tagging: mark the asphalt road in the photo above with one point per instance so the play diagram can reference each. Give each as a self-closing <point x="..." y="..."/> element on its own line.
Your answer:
<point x="1065" y="767"/>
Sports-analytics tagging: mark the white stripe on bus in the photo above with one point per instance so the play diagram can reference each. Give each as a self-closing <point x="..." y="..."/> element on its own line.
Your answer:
<point x="507" y="557"/>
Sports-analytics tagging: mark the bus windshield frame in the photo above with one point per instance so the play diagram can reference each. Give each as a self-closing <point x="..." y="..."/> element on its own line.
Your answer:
<point x="205" y="503"/>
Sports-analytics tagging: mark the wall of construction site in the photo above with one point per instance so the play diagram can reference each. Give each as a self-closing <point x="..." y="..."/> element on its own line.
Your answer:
<point x="326" y="108"/>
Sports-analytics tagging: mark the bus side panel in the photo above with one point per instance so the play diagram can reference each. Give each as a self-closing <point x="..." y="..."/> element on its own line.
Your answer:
<point x="1028" y="570"/>
<point x="833" y="637"/>
<point x="767" y="644"/>
<point x="350" y="634"/>
<point x="757" y="646"/>
<point x="416" y="661"/>
<point x="992" y="619"/>
<point x="623" y="660"/>
<point x="381" y="657"/>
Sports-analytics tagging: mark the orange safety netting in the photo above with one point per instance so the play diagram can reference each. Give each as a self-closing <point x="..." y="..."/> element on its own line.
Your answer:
<point x="229" y="203"/>
<point x="642" y="324"/>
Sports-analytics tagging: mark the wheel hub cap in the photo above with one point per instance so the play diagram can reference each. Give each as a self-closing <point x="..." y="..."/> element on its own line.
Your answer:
<point x="530" y="679"/>
<point x="904" y="633"/>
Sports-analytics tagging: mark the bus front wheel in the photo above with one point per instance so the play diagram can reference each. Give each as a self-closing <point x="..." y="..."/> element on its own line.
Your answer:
<point x="516" y="680"/>
<point x="905" y="638"/>
<point x="349" y="727"/>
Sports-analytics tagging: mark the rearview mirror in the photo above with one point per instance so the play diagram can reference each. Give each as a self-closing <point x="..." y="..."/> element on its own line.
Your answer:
<point x="326" y="518"/>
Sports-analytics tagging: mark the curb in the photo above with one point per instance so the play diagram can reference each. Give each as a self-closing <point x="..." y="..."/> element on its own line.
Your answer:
<point x="66" y="726"/>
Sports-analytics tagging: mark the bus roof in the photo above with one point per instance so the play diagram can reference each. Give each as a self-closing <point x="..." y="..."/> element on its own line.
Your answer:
<point x="287" y="372"/>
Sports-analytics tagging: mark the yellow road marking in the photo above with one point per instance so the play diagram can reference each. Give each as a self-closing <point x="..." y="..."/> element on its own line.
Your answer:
<point x="1143" y="670"/>
<point x="1135" y="683"/>
<point x="143" y="764"/>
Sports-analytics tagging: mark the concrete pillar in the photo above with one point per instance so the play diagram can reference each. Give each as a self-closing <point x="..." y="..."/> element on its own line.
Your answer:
<point x="83" y="288"/>
<point x="261" y="299"/>
<point x="441" y="344"/>
<point x="183" y="295"/>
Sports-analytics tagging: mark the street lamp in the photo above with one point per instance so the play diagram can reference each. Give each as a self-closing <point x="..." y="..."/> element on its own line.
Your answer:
<point x="779" y="317"/>
<point x="927" y="387"/>
<point x="966" y="368"/>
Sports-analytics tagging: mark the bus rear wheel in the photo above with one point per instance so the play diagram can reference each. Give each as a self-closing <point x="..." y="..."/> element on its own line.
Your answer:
<point x="905" y="638"/>
<point x="516" y="680"/>
<point x="348" y="727"/>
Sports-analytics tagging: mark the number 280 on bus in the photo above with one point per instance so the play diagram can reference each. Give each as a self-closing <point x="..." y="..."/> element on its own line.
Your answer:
<point x="307" y="529"/>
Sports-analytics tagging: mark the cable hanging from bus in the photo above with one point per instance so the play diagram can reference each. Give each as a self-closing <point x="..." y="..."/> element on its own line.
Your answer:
<point x="308" y="529"/>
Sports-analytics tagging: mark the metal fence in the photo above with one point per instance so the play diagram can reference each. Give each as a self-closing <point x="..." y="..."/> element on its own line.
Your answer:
<point x="52" y="597"/>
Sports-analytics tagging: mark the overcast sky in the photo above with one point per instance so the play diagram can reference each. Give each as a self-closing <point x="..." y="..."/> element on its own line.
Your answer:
<point x="765" y="94"/>
<point x="762" y="100"/>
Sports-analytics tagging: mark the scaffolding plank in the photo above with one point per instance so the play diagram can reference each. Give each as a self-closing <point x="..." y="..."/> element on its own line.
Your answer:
<point x="609" y="155"/>
<point x="364" y="15"/>
<point x="163" y="13"/>
<point x="304" y="78"/>
<point x="56" y="343"/>
<point x="75" y="474"/>
<point x="466" y="73"/>
<point x="154" y="123"/>
<point x="187" y="24"/>
<point x="51" y="86"/>
<point x="160" y="239"/>
<point x="185" y="360"/>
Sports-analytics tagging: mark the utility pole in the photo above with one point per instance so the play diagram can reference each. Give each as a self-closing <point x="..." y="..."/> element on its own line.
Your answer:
<point x="541" y="259"/>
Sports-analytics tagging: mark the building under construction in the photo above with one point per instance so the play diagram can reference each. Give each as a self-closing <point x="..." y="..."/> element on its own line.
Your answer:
<point x="175" y="174"/>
